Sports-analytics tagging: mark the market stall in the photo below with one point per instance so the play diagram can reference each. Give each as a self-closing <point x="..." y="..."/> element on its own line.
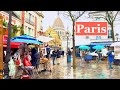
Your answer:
<point x="116" y="46"/>
<point x="117" y="55"/>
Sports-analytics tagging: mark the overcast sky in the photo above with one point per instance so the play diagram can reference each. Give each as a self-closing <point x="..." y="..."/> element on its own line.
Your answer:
<point x="50" y="16"/>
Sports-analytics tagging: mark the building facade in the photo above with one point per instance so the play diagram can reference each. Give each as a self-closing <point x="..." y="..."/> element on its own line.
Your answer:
<point x="33" y="22"/>
<point x="30" y="20"/>
<point x="16" y="20"/>
<point x="99" y="16"/>
<point x="50" y="32"/>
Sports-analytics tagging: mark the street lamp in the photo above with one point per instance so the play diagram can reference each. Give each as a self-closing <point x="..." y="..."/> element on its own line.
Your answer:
<point x="67" y="44"/>
<point x="117" y="35"/>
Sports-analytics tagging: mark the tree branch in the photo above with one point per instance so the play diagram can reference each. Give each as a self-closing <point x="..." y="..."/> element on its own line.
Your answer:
<point x="80" y="14"/>
<point x="115" y="15"/>
<point x="71" y="16"/>
<point x="109" y="17"/>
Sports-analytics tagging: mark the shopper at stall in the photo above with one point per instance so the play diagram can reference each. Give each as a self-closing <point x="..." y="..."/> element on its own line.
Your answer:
<point x="37" y="57"/>
<point x="110" y="57"/>
<point x="33" y="61"/>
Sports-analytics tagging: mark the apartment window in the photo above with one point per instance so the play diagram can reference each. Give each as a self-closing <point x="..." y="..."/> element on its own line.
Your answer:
<point x="29" y="16"/>
<point x="29" y="31"/>
<point x="98" y="37"/>
<point x="109" y="33"/>
<point x="33" y="18"/>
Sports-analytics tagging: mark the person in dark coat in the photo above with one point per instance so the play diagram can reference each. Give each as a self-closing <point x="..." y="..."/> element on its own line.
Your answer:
<point x="58" y="56"/>
<point x="37" y="58"/>
<point x="69" y="55"/>
<point x="63" y="53"/>
<point x="34" y="60"/>
<point x="48" y="53"/>
<point x="54" y="56"/>
<point x="110" y="58"/>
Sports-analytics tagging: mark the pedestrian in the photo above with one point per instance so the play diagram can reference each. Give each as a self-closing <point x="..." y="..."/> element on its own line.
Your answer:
<point x="33" y="61"/>
<point x="48" y="52"/>
<point x="99" y="55"/>
<point x="27" y="64"/>
<point x="63" y="53"/>
<point x="58" y="56"/>
<point x="69" y="55"/>
<point x="37" y="57"/>
<point x="110" y="57"/>
<point x="18" y="63"/>
<point x="54" y="56"/>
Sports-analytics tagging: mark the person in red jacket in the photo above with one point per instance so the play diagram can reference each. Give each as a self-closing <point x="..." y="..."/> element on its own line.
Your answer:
<point x="27" y="64"/>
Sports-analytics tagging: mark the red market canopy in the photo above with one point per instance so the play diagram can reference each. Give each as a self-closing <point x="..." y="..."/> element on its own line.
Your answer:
<point x="12" y="44"/>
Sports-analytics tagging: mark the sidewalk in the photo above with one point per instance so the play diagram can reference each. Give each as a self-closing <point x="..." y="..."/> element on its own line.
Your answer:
<point x="84" y="71"/>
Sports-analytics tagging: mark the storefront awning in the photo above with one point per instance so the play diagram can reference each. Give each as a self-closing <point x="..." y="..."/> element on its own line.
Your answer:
<point x="101" y="43"/>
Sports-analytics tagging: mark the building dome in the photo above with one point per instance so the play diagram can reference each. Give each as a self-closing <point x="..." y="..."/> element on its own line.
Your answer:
<point x="58" y="24"/>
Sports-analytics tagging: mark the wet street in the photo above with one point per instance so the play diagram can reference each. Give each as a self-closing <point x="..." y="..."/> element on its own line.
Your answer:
<point x="84" y="70"/>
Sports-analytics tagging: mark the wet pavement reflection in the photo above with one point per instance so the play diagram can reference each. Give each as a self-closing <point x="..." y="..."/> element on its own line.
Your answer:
<point x="84" y="70"/>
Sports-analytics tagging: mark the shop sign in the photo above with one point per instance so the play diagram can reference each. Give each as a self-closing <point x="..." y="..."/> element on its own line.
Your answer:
<point x="91" y="28"/>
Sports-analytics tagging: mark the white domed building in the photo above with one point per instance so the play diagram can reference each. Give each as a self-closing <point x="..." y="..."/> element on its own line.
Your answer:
<point x="58" y="26"/>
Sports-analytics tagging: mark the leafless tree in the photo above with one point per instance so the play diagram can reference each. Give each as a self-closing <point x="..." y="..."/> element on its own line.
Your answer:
<point x="110" y="18"/>
<point x="73" y="16"/>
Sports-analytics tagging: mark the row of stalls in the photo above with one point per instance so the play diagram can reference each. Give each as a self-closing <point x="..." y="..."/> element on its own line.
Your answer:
<point x="106" y="44"/>
<point x="18" y="40"/>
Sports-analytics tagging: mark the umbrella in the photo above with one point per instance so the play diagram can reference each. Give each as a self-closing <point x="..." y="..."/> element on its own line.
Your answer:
<point x="12" y="44"/>
<point x="98" y="47"/>
<point x="44" y="38"/>
<point x="83" y="47"/>
<point x="115" y="44"/>
<point x="26" y="39"/>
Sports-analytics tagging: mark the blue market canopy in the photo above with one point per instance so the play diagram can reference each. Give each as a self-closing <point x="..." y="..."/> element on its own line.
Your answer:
<point x="26" y="39"/>
<point x="101" y="43"/>
<point x="84" y="47"/>
<point x="98" y="47"/>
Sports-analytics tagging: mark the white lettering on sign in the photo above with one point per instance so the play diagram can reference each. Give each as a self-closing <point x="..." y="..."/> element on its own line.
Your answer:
<point x="91" y="28"/>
